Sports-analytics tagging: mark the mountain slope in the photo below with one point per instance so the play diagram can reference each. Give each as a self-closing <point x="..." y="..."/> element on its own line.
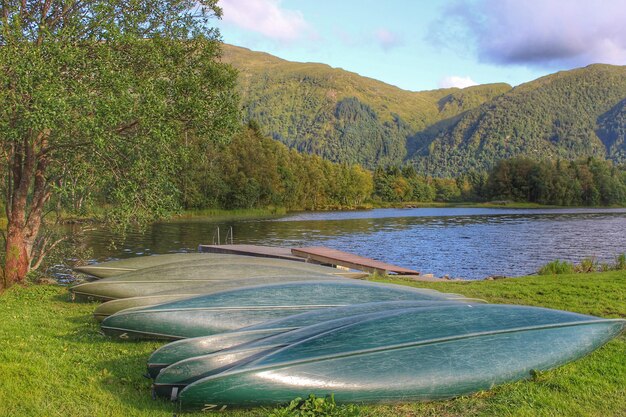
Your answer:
<point x="340" y="115"/>
<point x="345" y="117"/>
<point x="567" y="115"/>
<point x="612" y="131"/>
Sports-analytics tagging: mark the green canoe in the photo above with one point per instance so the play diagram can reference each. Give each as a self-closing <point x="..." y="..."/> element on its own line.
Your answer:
<point x="108" y="308"/>
<point x="407" y="355"/>
<point x="234" y="309"/>
<point x="269" y="333"/>
<point x="178" y="277"/>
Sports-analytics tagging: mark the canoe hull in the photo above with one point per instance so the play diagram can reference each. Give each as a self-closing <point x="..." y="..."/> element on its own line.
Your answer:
<point x="157" y="280"/>
<point x="179" y="291"/>
<point x="200" y="346"/>
<point x="231" y="310"/>
<point x="191" y="369"/>
<point x="432" y="370"/>
<point x="113" y="268"/>
<point x="184" y="265"/>
<point x="180" y="324"/>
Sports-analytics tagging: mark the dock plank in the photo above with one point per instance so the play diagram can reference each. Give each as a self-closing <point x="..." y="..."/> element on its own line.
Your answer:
<point x="349" y="260"/>
<point x="252" y="250"/>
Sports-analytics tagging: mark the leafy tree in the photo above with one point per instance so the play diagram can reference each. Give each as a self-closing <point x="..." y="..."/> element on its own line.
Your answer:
<point x="589" y="182"/>
<point x="256" y="171"/>
<point x="447" y="189"/>
<point x="103" y="91"/>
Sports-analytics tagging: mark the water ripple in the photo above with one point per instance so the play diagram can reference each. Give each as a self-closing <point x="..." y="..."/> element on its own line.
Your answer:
<point x="459" y="242"/>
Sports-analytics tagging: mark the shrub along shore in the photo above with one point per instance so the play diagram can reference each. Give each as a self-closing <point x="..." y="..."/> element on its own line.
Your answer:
<point x="54" y="362"/>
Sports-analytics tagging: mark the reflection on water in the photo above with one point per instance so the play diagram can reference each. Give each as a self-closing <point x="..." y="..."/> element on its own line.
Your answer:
<point x="459" y="242"/>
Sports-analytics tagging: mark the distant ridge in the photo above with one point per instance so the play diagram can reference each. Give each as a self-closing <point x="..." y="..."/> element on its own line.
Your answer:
<point x="566" y="115"/>
<point x="345" y="117"/>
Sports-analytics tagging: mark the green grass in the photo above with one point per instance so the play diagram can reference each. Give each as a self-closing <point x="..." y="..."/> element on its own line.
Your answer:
<point x="53" y="361"/>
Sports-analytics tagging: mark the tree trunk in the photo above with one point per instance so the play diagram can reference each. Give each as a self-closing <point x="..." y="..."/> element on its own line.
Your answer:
<point x="27" y="193"/>
<point x="17" y="263"/>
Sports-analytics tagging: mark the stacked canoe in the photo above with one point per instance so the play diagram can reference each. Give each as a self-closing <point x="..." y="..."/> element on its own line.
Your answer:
<point x="248" y="331"/>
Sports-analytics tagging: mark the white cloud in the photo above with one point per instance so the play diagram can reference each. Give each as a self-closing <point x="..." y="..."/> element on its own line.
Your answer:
<point x="387" y="39"/>
<point x="540" y="33"/>
<point x="456" y="81"/>
<point x="266" y="17"/>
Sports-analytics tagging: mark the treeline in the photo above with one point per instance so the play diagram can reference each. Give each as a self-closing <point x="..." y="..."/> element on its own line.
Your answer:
<point x="396" y="184"/>
<point x="588" y="182"/>
<point x="256" y="171"/>
<point x="253" y="171"/>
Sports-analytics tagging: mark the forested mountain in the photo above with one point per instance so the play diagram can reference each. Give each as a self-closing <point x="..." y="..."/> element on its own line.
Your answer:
<point x="567" y="115"/>
<point x="340" y="115"/>
<point x="344" y="117"/>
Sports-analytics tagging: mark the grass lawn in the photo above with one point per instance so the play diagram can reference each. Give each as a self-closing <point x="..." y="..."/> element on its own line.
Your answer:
<point x="53" y="361"/>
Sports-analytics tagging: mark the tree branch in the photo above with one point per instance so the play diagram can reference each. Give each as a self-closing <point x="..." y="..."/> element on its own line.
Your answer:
<point x="69" y="7"/>
<point x="42" y="253"/>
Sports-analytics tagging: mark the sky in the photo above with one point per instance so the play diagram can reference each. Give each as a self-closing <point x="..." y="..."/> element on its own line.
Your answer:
<point x="427" y="44"/>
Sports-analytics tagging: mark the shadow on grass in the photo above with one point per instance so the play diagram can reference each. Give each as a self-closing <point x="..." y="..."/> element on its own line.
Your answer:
<point x="115" y="366"/>
<point x="124" y="378"/>
<point x="66" y="296"/>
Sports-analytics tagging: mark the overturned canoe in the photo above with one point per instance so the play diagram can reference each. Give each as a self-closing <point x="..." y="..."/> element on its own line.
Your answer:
<point x="204" y="345"/>
<point x="231" y="310"/>
<point x="143" y="267"/>
<point x="178" y="277"/>
<point x="113" y="268"/>
<point x="424" y="354"/>
<point x="180" y="364"/>
<point x="196" y="268"/>
<point x="111" y="307"/>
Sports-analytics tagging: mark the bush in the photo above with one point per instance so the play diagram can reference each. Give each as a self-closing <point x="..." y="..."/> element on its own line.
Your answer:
<point x="604" y="267"/>
<point x="587" y="265"/>
<point x="557" y="267"/>
<point x="315" y="407"/>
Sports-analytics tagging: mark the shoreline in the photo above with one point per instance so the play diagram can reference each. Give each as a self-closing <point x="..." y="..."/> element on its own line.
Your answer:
<point x="271" y="211"/>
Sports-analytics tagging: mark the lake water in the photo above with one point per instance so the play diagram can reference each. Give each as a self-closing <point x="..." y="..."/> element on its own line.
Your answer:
<point x="470" y="243"/>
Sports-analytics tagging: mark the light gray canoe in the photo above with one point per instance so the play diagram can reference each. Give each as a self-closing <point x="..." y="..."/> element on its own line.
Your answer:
<point x="253" y="335"/>
<point x="406" y="355"/>
<point x="178" y="277"/>
<point x="234" y="309"/>
<point x="144" y="265"/>
<point x="112" y="268"/>
<point x="195" y="268"/>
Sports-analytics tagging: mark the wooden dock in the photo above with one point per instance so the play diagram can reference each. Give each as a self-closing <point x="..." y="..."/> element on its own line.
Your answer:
<point x="317" y="254"/>
<point x="252" y="250"/>
<point x="330" y="256"/>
